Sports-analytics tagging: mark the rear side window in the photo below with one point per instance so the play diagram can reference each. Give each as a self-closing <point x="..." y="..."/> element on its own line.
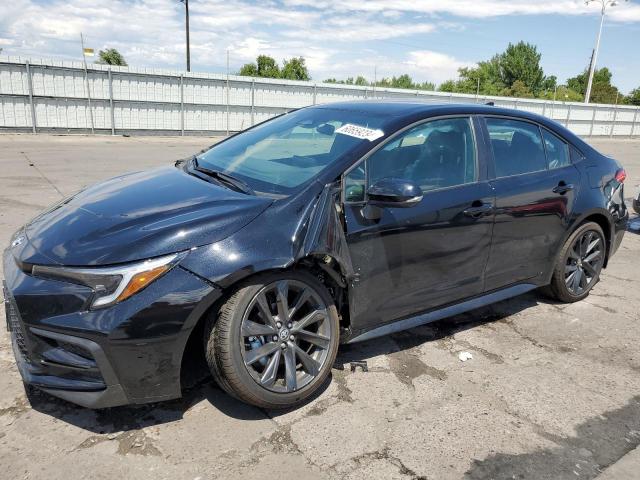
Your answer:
<point x="517" y="147"/>
<point x="557" y="150"/>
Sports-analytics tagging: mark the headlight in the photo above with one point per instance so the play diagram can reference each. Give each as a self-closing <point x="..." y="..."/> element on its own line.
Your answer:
<point x="112" y="284"/>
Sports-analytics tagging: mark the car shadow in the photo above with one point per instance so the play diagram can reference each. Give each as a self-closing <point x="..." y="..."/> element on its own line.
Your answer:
<point x="438" y="330"/>
<point x="200" y="386"/>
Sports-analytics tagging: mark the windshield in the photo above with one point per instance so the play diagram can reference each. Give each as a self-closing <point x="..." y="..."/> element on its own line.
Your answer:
<point x="279" y="155"/>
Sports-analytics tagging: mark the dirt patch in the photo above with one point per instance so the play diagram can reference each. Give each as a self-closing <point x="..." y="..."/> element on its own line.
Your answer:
<point x="406" y="366"/>
<point x="494" y="357"/>
<point x="20" y="405"/>
<point x="344" y="392"/>
<point x="133" y="442"/>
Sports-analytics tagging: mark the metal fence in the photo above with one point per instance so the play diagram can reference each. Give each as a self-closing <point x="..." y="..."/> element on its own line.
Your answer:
<point x="57" y="96"/>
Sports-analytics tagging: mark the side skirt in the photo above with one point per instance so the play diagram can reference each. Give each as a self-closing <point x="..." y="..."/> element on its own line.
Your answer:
<point x="441" y="313"/>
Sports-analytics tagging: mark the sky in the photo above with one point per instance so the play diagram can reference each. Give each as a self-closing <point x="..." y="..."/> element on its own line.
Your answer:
<point x="428" y="39"/>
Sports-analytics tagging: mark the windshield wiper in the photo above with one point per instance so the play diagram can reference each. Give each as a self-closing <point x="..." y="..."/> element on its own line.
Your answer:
<point x="233" y="182"/>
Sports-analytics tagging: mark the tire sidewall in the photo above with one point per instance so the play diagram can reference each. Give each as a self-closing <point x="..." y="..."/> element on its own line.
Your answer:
<point x="248" y="384"/>
<point x="562" y="260"/>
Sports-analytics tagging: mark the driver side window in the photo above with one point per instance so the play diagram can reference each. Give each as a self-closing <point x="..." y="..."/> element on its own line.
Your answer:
<point x="433" y="155"/>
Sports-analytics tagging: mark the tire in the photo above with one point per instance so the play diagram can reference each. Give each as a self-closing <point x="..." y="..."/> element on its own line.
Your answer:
<point x="578" y="265"/>
<point x="262" y="361"/>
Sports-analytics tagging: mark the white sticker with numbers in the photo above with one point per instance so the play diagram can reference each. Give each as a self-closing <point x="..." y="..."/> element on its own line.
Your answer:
<point x="360" y="132"/>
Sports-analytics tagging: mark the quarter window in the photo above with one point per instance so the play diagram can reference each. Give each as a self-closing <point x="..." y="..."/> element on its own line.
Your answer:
<point x="354" y="183"/>
<point x="517" y="147"/>
<point x="436" y="154"/>
<point x="557" y="150"/>
<point x="576" y="156"/>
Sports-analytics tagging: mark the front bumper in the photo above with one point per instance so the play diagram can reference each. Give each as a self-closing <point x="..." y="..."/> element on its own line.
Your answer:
<point x="128" y="353"/>
<point x="94" y="385"/>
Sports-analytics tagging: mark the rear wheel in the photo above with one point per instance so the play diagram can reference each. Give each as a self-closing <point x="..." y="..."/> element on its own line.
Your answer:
<point x="273" y="342"/>
<point x="579" y="264"/>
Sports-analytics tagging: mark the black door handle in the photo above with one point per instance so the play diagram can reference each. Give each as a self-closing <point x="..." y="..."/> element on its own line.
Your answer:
<point x="563" y="188"/>
<point x="478" y="209"/>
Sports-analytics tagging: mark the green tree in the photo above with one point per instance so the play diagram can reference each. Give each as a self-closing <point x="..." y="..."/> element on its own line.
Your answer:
<point x="634" y="97"/>
<point x="579" y="82"/>
<point x="401" y="81"/>
<point x="360" y="80"/>
<point x="447" y="86"/>
<point x="426" y="86"/>
<point x="514" y="72"/>
<point x="521" y="62"/>
<point x="605" y="93"/>
<point x="563" y="94"/>
<point x="111" y="56"/>
<point x="249" y="70"/>
<point x="265" y="67"/>
<point x="602" y="91"/>
<point x="486" y="75"/>
<point x="549" y="85"/>
<point x="295" y="69"/>
<point x="518" y="89"/>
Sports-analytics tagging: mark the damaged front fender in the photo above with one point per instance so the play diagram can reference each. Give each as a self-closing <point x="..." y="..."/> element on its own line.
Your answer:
<point x="312" y="227"/>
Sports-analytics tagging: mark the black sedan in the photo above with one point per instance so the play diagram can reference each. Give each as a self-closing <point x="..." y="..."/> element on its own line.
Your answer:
<point x="330" y="224"/>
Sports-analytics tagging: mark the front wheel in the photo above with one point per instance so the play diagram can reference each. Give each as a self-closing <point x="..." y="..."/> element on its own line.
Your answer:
<point x="579" y="264"/>
<point x="273" y="342"/>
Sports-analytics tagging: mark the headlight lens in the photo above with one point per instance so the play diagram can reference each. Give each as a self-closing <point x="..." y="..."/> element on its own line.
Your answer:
<point x="112" y="284"/>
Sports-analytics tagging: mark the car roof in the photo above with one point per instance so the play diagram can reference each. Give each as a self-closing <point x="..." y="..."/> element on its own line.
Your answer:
<point x="408" y="110"/>
<point x="403" y="107"/>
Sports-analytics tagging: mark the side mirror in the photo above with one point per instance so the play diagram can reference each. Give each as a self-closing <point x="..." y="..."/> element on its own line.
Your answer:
<point x="394" y="192"/>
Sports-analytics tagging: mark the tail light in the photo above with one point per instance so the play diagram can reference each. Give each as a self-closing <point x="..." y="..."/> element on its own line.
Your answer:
<point x="621" y="175"/>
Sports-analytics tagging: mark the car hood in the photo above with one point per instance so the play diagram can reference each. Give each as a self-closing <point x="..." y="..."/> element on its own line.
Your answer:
<point x="137" y="216"/>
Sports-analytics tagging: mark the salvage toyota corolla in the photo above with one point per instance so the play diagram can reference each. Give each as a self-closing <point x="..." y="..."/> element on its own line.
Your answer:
<point x="330" y="224"/>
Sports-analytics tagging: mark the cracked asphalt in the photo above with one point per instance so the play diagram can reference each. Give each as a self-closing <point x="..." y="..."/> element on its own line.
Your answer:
<point x="552" y="390"/>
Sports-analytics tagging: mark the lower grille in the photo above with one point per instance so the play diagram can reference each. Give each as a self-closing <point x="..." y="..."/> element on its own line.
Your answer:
<point x="14" y="324"/>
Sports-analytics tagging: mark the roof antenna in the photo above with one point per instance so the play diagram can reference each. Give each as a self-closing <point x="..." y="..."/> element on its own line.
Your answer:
<point x="491" y="104"/>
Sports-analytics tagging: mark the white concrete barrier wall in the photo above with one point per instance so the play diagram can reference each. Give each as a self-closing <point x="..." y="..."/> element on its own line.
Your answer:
<point x="47" y="95"/>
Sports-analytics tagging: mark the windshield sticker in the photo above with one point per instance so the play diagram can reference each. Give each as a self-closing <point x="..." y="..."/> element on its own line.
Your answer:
<point x="360" y="132"/>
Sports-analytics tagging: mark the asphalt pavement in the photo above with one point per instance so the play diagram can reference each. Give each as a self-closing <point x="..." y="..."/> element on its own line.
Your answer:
<point x="552" y="391"/>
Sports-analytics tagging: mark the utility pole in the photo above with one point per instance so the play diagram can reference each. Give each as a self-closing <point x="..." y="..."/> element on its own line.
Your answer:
<point x="186" y="16"/>
<point x="85" y="52"/>
<point x="594" y="58"/>
<point x="375" y="79"/>
<point x="227" y="92"/>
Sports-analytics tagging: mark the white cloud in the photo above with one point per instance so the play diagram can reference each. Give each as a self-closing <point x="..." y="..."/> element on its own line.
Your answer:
<point x="349" y="29"/>
<point x="434" y="66"/>
<point x="151" y="32"/>
<point x="338" y="38"/>
<point x="421" y="65"/>
<point x="623" y="12"/>
<point x="251" y="47"/>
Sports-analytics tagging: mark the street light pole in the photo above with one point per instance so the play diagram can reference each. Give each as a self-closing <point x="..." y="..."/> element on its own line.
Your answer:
<point x="592" y="68"/>
<point x="186" y="14"/>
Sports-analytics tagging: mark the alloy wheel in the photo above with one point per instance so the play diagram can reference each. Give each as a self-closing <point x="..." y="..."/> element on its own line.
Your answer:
<point x="285" y="336"/>
<point x="584" y="262"/>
